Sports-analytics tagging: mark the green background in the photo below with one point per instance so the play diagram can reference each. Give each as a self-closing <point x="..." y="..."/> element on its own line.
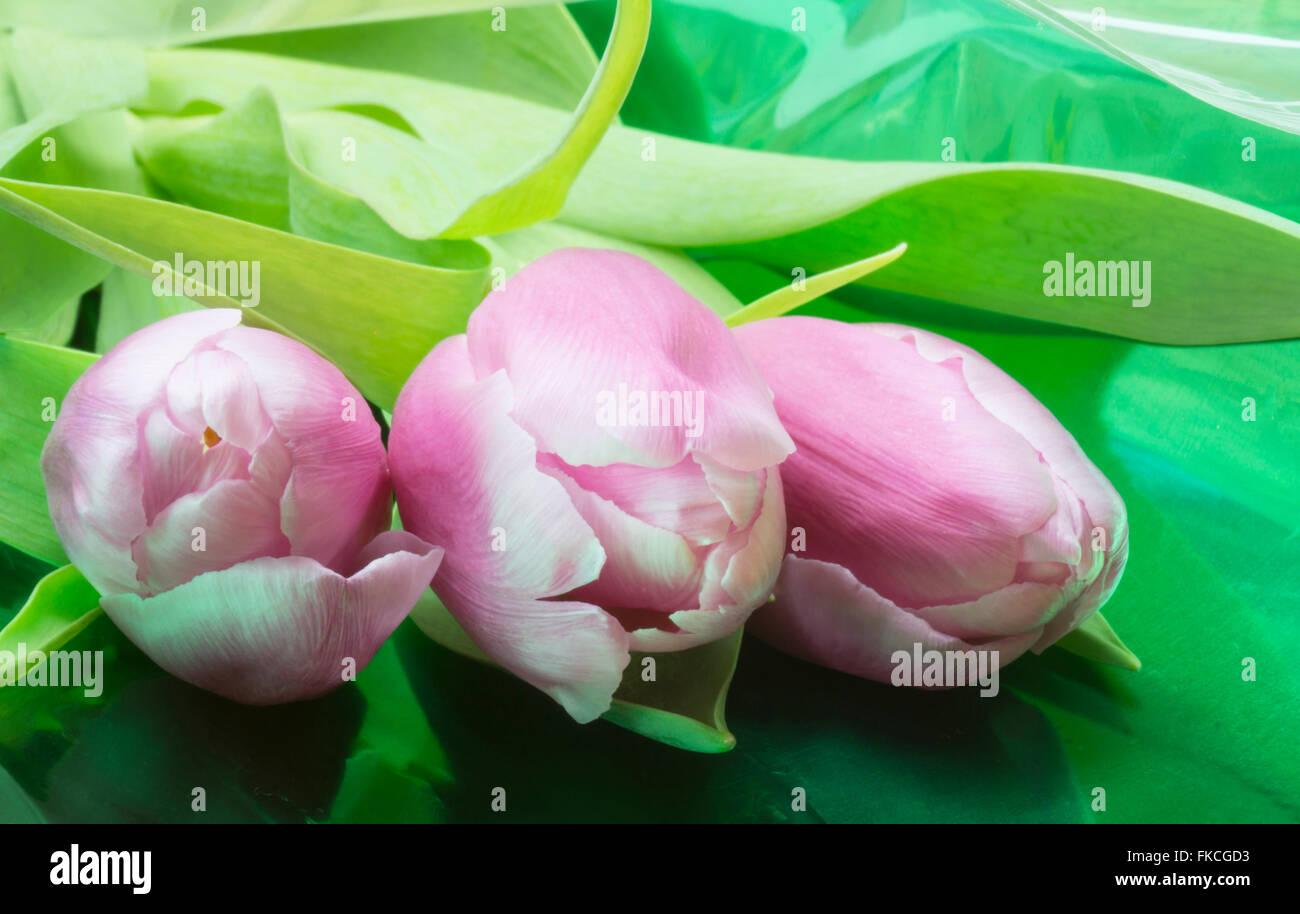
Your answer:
<point x="1213" y="502"/>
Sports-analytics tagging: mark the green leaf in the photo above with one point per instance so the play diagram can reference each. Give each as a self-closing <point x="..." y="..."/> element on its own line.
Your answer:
<point x="35" y="377"/>
<point x="372" y="316"/>
<point x="685" y="703"/>
<point x="540" y="54"/>
<point x="241" y="163"/>
<point x="58" y="327"/>
<point x="62" y="604"/>
<point x="56" y="82"/>
<point x="163" y="22"/>
<point x="234" y="163"/>
<point x="70" y="76"/>
<point x="1094" y="639"/>
<point x="683" y="706"/>
<point x="967" y="243"/>
<point x="538" y="191"/>
<point x="374" y="792"/>
<point x="789" y="297"/>
<point x="466" y="189"/>
<point x="127" y="303"/>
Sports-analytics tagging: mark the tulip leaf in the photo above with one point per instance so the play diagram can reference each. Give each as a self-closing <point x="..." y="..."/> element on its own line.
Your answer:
<point x="967" y="243"/>
<point x="58" y="327"/>
<point x="1094" y="639"/>
<point x="165" y="22"/>
<point x="61" y="605"/>
<point x="127" y="303"/>
<point x="532" y="52"/>
<point x="373" y="316"/>
<point x="235" y="164"/>
<point x="56" y="85"/>
<point x="476" y="194"/>
<point x="680" y="697"/>
<point x="539" y="190"/>
<point x="787" y="298"/>
<point x="35" y="377"/>
<point x="682" y="704"/>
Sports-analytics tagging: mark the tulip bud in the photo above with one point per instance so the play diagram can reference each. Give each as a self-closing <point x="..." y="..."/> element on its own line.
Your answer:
<point x="933" y="501"/>
<point x="226" y="491"/>
<point x="599" y="459"/>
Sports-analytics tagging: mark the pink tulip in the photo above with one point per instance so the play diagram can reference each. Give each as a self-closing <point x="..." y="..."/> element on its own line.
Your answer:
<point x="225" y="489"/>
<point x="932" y="500"/>
<point x="580" y="520"/>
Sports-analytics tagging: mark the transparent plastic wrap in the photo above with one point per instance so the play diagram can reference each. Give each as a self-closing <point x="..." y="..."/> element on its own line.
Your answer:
<point x="1243" y="57"/>
<point x="980" y="81"/>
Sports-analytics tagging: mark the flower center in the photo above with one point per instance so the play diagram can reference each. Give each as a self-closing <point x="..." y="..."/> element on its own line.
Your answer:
<point x="210" y="438"/>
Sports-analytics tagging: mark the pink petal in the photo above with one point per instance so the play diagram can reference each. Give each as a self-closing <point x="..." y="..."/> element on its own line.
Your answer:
<point x="273" y="630"/>
<point x="739" y="575"/>
<point x="574" y="325"/>
<point x="1012" y="610"/>
<point x="926" y="509"/>
<point x="1059" y="539"/>
<point x="170" y="461"/>
<point x="1099" y="587"/>
<point x="90" y="461"/>
<point x="646" y="568"/>
<point x="466" y="475"/>
<point x="826" y="616"/>
<point x="238" y="522"/>
<point x="338" y="496"/>
<point x="216" y="390"/>
<point x="1101" y="508"/>
<point x="998" y="393"/>
<point x="677" y="498"/>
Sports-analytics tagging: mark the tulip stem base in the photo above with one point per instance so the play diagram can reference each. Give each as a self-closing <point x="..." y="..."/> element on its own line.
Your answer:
<point x="1095" y="640"/>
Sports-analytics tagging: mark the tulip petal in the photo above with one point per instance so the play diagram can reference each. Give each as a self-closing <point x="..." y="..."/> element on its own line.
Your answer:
<point x="1018" y="408"/>
<point x="739" y="575"/>
<point x="740" y="494"/>
<point x="273" y="630"/>
<point x="580" y="330"/>
<point x="106" y="508"/>
<point x="646" y="568"/>
<point x="1015" y="609"/>
<point x="1103" y="517"/>
<point x="1092" y="599"/>
<point x="823" y="614"/>
<point x="169" y="464"/>
<point x="207" y="531"/>
<point x="466" y="477"/>
<point x="677" y="498"/>
<point x="337" y="497"/>
<point x="1058" y="540"/>
<point x="216" y="390"/>
<point x="909" y="482"/>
